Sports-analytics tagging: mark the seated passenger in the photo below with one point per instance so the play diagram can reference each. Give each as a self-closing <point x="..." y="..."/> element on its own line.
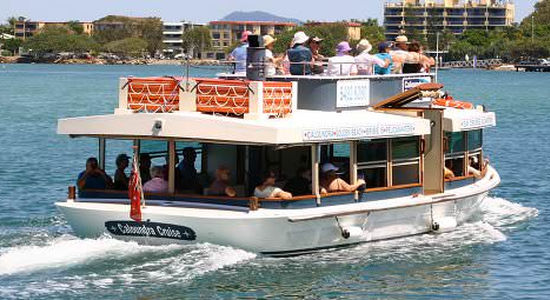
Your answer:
<point x="121" y="179"/>
<point x="448" y="174"/>
<point x="157" y="184"/>
<point x="366" y="61"/>
<point x="188" y="174"/>
<point x="384" y="54"/>
<point x="417" y="62"/>
<point x="299" y="56"/>
<point x="145" y="167"/>
<point x="301" y="183"/>
<point x="473" y="167"/>
<point x="93" y="177"/>
<point x="268" y="189"/>
<point x="220" y="186"/>
<point x="314" y="44"/>
<point x="330" y="182"/>
<point x="342" y="63"/>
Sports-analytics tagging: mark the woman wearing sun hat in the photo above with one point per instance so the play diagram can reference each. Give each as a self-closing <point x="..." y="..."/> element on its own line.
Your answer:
<point x="366" y="61"/>
<point x="342" y="63"/>
<point x="299" y="56"/>
<point x="271" y="61"/>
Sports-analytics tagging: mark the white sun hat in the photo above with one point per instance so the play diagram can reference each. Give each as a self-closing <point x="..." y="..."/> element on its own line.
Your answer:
<point x="300" y="37"/>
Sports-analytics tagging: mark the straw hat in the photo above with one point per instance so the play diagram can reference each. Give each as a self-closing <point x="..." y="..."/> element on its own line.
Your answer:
<point x="401" y="39"/>
<point x="268" y="40"/>
<point x="364" y="45"/>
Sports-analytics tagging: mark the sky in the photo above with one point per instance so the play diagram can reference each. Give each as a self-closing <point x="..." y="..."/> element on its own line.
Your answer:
<point x="202" y="10"/>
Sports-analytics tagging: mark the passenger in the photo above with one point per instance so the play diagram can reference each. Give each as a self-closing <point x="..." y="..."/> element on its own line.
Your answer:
<point x="239" y="54"/>
<point x="157" y="184"/>
<point x="399" y="54"/>
<point x="330" y="182"/>
<point x="448" y="173"/>
<point x="342" y="63"/>
<point x="93" y="177"/>
<point x="384" y="54"/>
<point x="314" y="44"/>
<point x="365" y="61"/>
<point x="268" y="189"/>
<point x="473" y="167"/>
<point x="301" y="183"/>
<point x="145" y="167"/>
<point x="220" y="186"/>
<point x="272" y="62"/>
<point x="299" y="56"/>
<point x="416" y="61"/>
<point x="188" y="174"/>
<point x="121" y="180"/>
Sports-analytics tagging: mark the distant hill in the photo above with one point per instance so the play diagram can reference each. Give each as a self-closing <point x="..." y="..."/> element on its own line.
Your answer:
<point x="257" y="16"/>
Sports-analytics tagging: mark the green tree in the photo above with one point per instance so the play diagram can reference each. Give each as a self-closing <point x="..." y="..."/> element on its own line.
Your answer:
<point x="197" y="40"/>
<point x="55" y="39"/>
<point x="11" y="45"/>
<point x="332" y="34"/>
<point x="150" y="30"/>
<point x="130" y="47"/>
<point x="76" y="27"/>
<point x="371" y="31"/>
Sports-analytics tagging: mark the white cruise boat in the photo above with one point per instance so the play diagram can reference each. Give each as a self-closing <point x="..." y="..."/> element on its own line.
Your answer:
<point x="422" y="161"/>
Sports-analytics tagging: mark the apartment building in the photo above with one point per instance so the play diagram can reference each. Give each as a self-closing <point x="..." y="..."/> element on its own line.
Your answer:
<point x="227" y="33"/>
<point x="172" y="36"/>
<point x="430" y="16"/>
<point x="27" y="28"/>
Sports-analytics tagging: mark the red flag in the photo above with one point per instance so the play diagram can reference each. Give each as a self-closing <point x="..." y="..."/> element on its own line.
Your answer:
<point x="135" y="191"/>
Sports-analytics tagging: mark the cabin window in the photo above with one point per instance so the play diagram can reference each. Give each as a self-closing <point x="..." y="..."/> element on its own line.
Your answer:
<point x="337" y="154"/>
<point x="475" y="140"/>
<point x="372" y="162"/>
<point x="455" y="150"/>
<point x="405" y="161"/>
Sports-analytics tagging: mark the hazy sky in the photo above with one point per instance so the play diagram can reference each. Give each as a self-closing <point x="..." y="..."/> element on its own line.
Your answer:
<point x="201" y="10"/>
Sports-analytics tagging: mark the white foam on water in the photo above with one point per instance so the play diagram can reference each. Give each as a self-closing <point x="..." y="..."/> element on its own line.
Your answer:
<point x="500" y="212"/>
<point x="66" y="251"/>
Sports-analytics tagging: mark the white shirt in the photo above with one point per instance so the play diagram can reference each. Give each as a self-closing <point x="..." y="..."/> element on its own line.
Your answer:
<point x="341" y="65"/>
<point x="365" y="63"/>
<point x="268" y="192"/>
<point x="269" y="66"/>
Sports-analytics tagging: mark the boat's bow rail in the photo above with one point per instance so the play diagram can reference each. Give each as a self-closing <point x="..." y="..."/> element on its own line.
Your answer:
<point x="241" y="98"/>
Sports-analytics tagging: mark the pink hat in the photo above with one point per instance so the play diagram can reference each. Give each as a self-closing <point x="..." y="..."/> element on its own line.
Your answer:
<point x="343" y="47"/>
<point x="244" y="36"/>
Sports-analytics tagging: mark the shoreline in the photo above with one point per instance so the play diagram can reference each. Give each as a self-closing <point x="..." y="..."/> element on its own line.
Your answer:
<point x="99" y="61"/>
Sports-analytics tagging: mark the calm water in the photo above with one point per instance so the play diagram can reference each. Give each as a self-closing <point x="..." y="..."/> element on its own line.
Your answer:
<point x="505" y="255"/>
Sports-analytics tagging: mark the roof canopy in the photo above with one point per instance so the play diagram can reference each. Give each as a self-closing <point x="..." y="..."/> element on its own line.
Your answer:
<point x="455" y="120"/>
<point x="303" y="127"/>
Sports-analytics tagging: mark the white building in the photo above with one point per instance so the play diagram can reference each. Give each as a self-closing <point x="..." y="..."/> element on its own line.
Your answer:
<point x="172" y="36"/>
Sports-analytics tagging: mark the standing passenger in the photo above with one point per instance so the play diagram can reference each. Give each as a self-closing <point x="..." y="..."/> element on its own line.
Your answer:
<point x="145" y="167"/>
<point x="342" y="63"/>
<point x="365" y="61"/>
<point x="384" y="54"/>
<point x="400" y="54"/>
<point x="239" y="54"/>
<point x="299" y="56"/>
<point x="271" y="61"/>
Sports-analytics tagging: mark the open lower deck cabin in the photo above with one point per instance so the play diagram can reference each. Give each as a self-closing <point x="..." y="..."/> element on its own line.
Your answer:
<point x="253" y="127"/>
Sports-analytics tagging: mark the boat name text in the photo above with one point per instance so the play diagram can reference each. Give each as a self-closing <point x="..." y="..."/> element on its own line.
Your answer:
<point x="358" y="132"/>
<point x="150" y="229"/>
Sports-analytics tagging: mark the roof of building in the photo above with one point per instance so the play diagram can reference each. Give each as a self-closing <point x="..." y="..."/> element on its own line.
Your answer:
<point x="302" y="127"/>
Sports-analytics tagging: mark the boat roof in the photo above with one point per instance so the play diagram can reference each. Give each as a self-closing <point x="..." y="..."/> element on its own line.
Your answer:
<point x="302" y="127"/>
<point x="456" y="120"/>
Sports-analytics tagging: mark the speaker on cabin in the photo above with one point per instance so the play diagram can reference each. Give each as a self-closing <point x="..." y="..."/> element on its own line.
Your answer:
<point x="255" y="58"/>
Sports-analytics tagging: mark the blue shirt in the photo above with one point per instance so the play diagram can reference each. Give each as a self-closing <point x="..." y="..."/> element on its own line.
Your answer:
<point x="299" y="54"/>
<point x="239" y="55"/>
<point x="96" y="182"/>
<point x="383" y="71"/>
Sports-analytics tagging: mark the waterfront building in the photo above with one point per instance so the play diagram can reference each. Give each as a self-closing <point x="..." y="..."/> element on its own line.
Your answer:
<point x="172" y="36"/>
<point x="227" y="33"/>
<point x="353" y="28"/>
<point x="428" y="16"/>
<point x="25" y="28"/>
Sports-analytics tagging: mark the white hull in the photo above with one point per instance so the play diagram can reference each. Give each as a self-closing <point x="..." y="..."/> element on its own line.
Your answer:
<point x="292" y="231"/>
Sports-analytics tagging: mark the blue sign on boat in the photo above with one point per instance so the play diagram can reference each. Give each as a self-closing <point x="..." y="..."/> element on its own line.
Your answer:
<point x="151" y="229"/>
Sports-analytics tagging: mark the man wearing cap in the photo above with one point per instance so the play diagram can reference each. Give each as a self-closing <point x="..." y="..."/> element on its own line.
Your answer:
<point x="331" y="183"/>
<point x="314" y="44"/>
<point x="300" y="56"/>
<point x="342" y="63"/>
<point x="384" y="49"/>
<point x="239" y="54"/>
<point x="365" y="61"/>
<point x="121" y="179"/>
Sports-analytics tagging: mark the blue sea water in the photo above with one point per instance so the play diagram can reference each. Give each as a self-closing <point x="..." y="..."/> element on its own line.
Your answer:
<point x="504" y="255"/>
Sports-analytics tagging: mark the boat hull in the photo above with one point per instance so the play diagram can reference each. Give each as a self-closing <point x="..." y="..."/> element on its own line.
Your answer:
<point x="279" y="232"/>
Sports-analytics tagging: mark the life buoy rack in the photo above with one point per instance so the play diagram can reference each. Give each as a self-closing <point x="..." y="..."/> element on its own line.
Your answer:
<point x="450" y="102"/>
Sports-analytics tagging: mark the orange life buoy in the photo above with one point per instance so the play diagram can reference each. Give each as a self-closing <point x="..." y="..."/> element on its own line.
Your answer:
<point x="453" y="103"/>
